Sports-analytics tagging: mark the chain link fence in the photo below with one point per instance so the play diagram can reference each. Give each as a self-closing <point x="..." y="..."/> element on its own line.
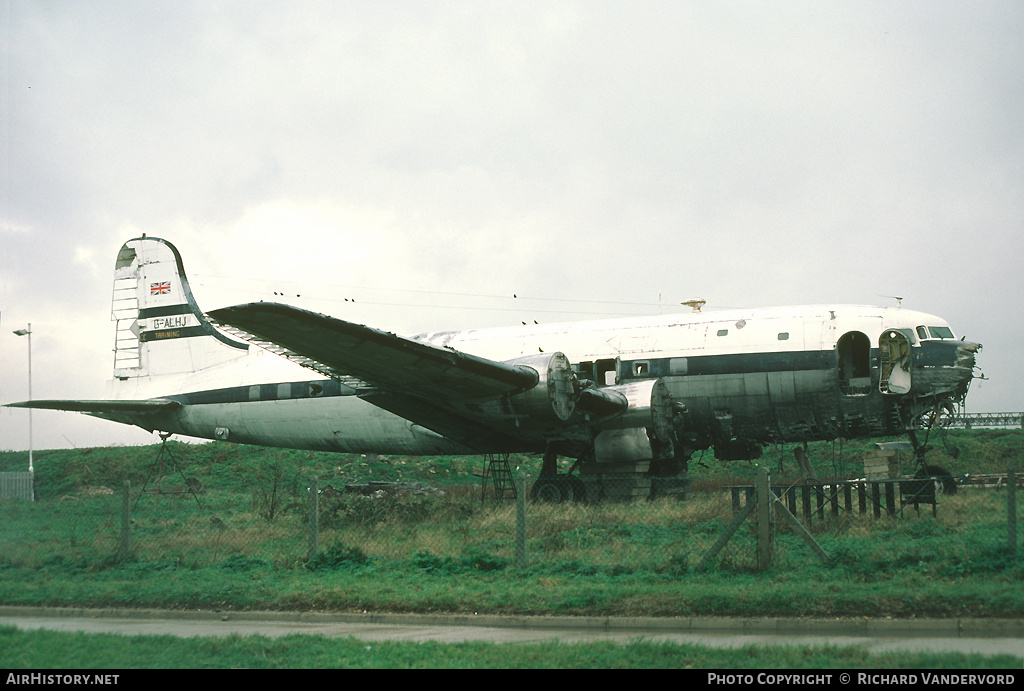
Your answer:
<point x="294" y="520"/>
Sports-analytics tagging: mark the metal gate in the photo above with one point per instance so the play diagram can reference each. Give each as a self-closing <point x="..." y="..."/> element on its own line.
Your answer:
<point x="16" y="486"/>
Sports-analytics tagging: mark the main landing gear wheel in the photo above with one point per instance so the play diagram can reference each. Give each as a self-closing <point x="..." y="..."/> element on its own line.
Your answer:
<point x="549" y="490"/>
<point x="579" y="490"/>
<point x="555" y="490"/>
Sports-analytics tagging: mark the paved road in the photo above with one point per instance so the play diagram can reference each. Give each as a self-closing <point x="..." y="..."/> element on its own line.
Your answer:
<point x="976" y="636"/>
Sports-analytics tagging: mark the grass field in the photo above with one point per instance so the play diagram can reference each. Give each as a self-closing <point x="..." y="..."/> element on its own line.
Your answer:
<point x="619" y="559"/>
<point x="79" y="651"/>
<point x="247" y="547"/>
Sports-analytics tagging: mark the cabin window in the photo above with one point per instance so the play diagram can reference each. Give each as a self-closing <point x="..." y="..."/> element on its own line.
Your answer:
<point x="723" y="332"/>
<point x="254" y="392"/>
<point x="677" y="365"/>
<point x="853" y="351"/>
<point x="641" y="368"/>
<point x="284" y="391"/>
<point x="784" y="336"/>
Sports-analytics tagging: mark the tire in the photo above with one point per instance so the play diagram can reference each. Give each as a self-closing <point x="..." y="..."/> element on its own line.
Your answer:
<point x="579" y="490"/>
<point x="549" y="490"/>
<point x="943" y="478"/>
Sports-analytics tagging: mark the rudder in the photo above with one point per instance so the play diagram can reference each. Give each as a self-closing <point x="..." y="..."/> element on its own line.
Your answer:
<point x="159" y="327"/>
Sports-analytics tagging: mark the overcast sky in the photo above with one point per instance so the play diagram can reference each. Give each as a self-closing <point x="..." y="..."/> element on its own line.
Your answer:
<point x="429" y="160"/>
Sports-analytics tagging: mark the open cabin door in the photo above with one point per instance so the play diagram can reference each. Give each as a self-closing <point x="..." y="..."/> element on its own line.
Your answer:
<point x="894" y="356"/>
<point x="853" y="352"/>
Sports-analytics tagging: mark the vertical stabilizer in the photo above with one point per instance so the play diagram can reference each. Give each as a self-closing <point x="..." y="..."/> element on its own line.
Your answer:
<point x="160" y="329"/>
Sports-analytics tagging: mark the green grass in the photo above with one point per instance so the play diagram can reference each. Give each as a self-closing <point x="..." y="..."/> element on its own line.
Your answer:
<point x="550" y="592"/>
<point x="457" y="555"/>
<point x="229" y="466"/>
<point x="79" y="651"/>
<point x="246" y="546"/>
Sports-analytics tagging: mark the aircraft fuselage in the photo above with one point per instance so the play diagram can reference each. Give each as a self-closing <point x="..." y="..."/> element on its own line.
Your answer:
<point x="745" y="378"/>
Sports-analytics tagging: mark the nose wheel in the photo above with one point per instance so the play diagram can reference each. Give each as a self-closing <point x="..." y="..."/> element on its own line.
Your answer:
<point x="943" y="479"/>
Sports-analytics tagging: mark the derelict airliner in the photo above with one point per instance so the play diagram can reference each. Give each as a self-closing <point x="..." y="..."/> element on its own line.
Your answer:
<point x="639" y="394"/>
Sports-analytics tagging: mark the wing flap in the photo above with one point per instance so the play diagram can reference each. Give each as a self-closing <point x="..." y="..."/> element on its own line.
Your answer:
<point x="384" y="361"/>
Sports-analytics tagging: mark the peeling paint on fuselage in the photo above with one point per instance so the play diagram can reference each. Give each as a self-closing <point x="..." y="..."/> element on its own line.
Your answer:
<point x="761" y="376"/>
<point x="770" y="375"/>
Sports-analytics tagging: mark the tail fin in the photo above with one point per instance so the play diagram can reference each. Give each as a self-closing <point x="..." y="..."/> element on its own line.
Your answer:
<point x="160" y="329"/>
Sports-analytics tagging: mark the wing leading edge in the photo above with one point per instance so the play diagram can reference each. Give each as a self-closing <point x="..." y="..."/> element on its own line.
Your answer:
<point x="471" y="399"/>
<point x="384" y="361"/>
<point x="425" y="384"/>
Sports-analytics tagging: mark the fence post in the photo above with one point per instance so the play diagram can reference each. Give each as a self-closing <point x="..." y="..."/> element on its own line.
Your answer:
<point x="124" y="546"/>
<point x="314" y="519"/>
<point x="726" y="535"/>
<point x="1011" y="510"/>
<point x="521" y="521"/>
<point x="764" y="519"/>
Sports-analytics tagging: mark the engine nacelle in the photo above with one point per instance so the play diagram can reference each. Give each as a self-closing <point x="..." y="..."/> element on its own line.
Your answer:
<point x="650" y="407"/>
<point x="556" y="392"/>
<point x="647" y="419"/>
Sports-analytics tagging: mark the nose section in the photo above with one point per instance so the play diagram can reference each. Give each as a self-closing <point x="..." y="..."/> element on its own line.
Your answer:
<point x="965" y="354"/>
<point x="965" y="362"/>
<point x="969" y="347"/>
<point x="944" y="369"/>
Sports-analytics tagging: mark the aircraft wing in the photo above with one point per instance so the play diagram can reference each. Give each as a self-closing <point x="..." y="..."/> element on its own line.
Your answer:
<point x="385" y="361"/>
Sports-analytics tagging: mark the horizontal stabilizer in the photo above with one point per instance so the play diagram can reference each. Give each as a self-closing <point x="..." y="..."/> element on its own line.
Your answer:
<point x="101" y="407"/>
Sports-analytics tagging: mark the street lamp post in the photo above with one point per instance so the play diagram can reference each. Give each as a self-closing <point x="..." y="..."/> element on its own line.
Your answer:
<point x="28" y="332"/>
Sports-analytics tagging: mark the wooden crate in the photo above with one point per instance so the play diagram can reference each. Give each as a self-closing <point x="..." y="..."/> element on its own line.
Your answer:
<point x="616" y="468"/>
<point x="599" y="488"/>
<point x="625" y="488"/>
<point x="881" y="464"/>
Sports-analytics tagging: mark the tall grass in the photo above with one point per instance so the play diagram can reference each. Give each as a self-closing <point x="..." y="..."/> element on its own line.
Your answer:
<point x="451" y="550"/>
<point x="662" y="535"/>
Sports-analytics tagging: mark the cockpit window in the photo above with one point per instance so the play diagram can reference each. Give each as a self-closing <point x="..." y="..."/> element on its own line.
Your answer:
<point x="926" y="332"/>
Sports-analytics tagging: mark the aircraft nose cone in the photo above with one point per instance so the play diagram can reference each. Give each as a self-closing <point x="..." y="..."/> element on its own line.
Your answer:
<point x="966" y="352"/>
<point x="965" y="363"/>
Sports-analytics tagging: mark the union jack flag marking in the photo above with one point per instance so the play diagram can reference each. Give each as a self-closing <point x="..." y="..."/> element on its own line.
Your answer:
<point x="161" y="288"/>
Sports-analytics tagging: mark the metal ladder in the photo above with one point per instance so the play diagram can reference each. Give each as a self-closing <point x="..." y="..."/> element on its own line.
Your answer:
<point x="124" y="312"/>
<point x="497" y="470"/>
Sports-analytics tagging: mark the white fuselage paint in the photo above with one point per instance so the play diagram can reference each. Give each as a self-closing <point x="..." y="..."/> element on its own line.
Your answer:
<point x="347" y="423"/>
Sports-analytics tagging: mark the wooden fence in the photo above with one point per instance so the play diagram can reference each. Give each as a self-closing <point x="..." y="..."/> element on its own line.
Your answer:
<point x="862" y="496"/>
